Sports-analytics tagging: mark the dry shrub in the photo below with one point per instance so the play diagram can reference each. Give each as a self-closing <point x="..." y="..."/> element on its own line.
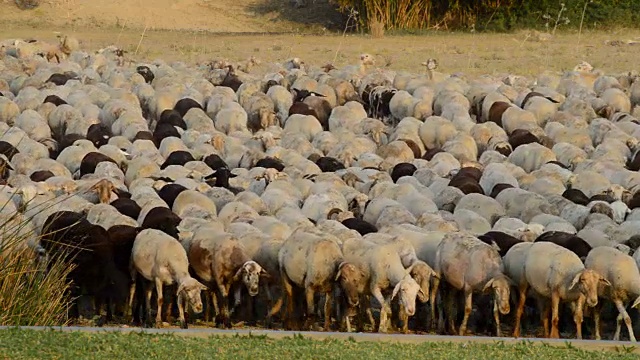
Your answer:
<point x="27" y="4"/>
<point x="29" y="296"/>
<point x="376" y="28"/>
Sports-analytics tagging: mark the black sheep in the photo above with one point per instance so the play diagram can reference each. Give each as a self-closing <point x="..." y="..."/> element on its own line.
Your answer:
<point x="68" y="236"/>
<point x="567" y="240"/>
<point x="91" y="160"/>
<point x="555" y="162"/>
<point x="222" y="176"/>
<point x="143" y="135"/>
<point x="127" y="207"/>
<point x="533" y="94"/>
<point x="99" y="134"/>
<point x="361" y="226"/>
<point x="379" y="99"/>
<point x="603" y="197"/>
<point x="170" y="192"/>
<point x="60" y="79"/>
<point x="179" y="157"/>
<point x="5" y="166"/>
<point x="184" y="105"/>
<point x="172" y="117"/>
<point x="497" y="189"/>
<point x="41" y="175"/>
<point x="496" y="110"/>
<point x="415" y="149"/>
<point x="329" y="164"/>
<point x="430" y="153"/>
<point x="470" y="172"/>
<point x="231" y="80"/>
<point x="163" y="219"/>
<point x="522" y="137"/>
<point x="163" y="131"/>
<point x="270" y="163"/>
<point x="7" y="149"/>
<point x="467" y="185"/>
<point x="215" y="162"/>
<point x="504" y="241"/>
<point x="576" y="196"/>
<point x="402" y="169"/>
<point x="146" y="73"/>
<point x="54" y="99"/>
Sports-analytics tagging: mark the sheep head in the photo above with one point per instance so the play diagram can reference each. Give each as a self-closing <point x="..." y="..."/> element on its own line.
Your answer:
<point x="351" y="281"/>
<point x="367" y="59"/>
<point x="250" y="273"/>
<point x="583" y="67"/>
<point x="586" y="282"/>
<point x="421" y="272"/>
<point x="407" y="290"/>
<point x="501" y="287"/>
<point x="103" y="188"/>
<point x="189" y="289"/>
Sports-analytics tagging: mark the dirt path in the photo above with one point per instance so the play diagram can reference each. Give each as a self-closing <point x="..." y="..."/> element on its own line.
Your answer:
<point x="594" y="345"/>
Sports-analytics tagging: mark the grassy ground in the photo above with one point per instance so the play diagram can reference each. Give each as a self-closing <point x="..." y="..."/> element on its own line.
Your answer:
<point x="471" y="54"/>
<point x="26" y="344"/>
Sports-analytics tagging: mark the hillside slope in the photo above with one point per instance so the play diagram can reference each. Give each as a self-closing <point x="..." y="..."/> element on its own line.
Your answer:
<point x="208" y="15"/>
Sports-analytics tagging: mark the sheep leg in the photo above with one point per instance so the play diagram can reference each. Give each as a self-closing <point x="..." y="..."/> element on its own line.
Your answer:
<point x="555" y="305"/>
<point x="402" y="314"/>
<point x="627" y="321"/>
<point x="311" y="311"/>
<point x="449" y="311"/>
<point x="432" y="299"/>
<point x="496" y="317"/>
<point x="384" y="308"/>
<point x="275" y="308"/>
<point x="147" y="301"/>
<point x="287" y="294"/>
<point x="328" y="302"/>
<point x="596" y="320"/>
<point x="183" y="322"/>
<point x="237" y="296"/>
<point x="160" y="303"/>
<point x="224" y="298"/>
<point x="578" y="316"/>
<point x="168" y="311"/>
<point x="521" y="302"/>
<point x="468" y="297"/>
<point x="544" y="307"/>
<point x="132" y="293"/>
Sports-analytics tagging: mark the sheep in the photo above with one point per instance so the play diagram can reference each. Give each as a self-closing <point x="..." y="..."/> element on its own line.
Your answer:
<point x="222" y="261"/>
<point x="383" y="271"/>
<point x="158" y="257"/>
<point x="621" y="271"/>
<point x="67" y="235"/>
<point x="309" y="260"/>
<point x="568" y="241"/>
<point x="455" y="262"/>
<point x="556" y="273"/>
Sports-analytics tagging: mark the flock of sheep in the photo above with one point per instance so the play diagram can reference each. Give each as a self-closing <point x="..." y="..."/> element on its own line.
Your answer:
<point x="367" y="191"/>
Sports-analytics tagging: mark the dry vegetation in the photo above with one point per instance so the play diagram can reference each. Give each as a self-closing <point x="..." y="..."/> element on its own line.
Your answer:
<point x="174" y="31"/>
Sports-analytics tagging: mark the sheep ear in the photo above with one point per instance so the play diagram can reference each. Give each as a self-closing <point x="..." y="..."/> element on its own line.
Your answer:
<point x="575" y="281"/>
<point x="605" y="281"/>
<point x="232" y="175"/>
<point x="238" y="274"/>
<point x="396" y="290"/>
<point x="495" y="246"/>
<point x="487" y="286"/>
<point x="181" y="288"/>
<point x="339" y="271"/>
<point x="264" y="273"/>
<point x="636" y="303"/>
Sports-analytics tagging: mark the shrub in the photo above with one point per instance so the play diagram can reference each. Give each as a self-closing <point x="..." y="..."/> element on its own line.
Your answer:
<point x="27" y="4"/>
<point x="29" y="296"/>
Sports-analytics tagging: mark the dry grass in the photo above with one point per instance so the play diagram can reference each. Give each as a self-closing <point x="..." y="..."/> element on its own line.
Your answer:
<point x="376" y="28"/>
<point x="29" y="295"/>
<point x="471" y="54"/>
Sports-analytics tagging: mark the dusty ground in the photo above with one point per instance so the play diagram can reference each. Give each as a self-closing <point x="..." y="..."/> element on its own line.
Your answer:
<point x="98" y="23"/>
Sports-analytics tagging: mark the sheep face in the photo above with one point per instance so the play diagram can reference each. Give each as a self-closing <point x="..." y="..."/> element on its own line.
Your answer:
<point x="190" y="290"/>
<point x="250" y="274"/>
<point x="407" y="290"/>
<point x="422" y="273"/>
<point x="351" y="281"/>
<point x="501" y="287"/>
<point x="587" y="281"/>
